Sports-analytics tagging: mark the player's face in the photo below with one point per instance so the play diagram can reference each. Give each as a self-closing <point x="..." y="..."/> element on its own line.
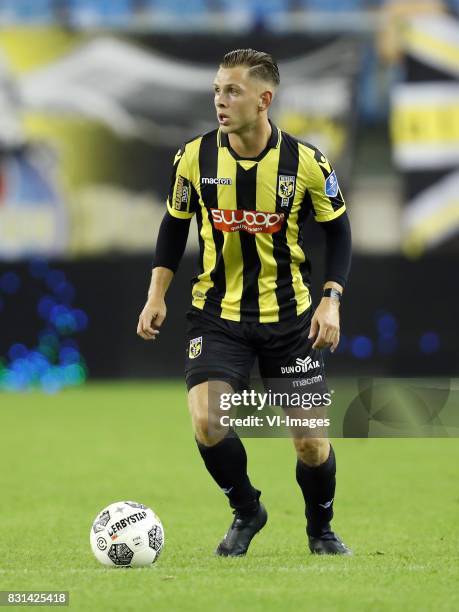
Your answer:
<point x="237" y="99"/>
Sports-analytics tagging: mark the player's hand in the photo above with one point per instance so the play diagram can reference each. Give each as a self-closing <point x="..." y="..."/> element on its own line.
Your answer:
<point x="325" y="325"/>
<point x="151" y="318"/>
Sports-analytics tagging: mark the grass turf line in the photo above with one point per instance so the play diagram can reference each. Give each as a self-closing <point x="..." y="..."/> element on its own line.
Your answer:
<point x="66" y="456"/>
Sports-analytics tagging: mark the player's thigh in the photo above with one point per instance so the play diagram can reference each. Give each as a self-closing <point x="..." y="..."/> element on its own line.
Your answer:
<point x="293" y="370"/>
<point x="216" y="349"/>
<point x="218" y="361"/>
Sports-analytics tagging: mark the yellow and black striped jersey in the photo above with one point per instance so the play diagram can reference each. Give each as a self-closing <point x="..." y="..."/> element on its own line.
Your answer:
<point x="250" y="214"/>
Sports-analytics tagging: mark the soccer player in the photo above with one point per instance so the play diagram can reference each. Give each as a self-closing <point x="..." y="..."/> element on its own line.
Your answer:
<point x="251" y="187"/>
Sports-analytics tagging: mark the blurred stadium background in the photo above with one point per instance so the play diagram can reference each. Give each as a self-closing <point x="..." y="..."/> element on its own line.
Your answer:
<point x="97" y="95"/>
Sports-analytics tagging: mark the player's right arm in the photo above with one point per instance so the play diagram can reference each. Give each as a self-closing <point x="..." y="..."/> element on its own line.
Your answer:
<point x="329" y="211"/>
<point x="170" y="245"/>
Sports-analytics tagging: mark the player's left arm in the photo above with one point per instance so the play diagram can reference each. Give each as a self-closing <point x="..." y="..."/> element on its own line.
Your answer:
<point x="329" y="210"/>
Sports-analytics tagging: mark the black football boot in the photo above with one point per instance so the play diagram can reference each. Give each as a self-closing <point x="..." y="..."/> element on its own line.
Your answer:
<point x="244" y="526"/>
<point x="328" y="544"/>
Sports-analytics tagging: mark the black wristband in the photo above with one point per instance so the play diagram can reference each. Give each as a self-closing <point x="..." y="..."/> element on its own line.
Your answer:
<point x="332" y="293"/>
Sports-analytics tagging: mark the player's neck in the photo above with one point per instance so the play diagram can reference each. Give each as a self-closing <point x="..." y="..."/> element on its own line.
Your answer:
<point x="253" y="140"/>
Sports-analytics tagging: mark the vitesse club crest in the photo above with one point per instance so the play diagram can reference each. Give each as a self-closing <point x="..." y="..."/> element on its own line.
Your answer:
<point x="286" y="189"/>
<point x="195" y="347"/>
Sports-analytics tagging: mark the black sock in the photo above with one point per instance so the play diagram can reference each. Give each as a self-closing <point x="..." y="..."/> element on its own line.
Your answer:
<point x="226" y="462"/>
<point x="318" y="487"/>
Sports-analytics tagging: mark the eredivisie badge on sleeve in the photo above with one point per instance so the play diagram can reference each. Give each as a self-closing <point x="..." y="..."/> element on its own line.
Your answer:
<point x="182" y="194"/>
<point x="286" y="188"/>
<point x="195" y="347"/>
<point x="331" y="185"/>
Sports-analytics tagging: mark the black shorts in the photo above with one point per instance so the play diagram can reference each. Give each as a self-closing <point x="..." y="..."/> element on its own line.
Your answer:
<point x="219" y="349"/>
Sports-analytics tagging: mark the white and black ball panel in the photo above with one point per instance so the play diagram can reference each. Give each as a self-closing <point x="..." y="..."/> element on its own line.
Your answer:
<point x="127" y="534"/>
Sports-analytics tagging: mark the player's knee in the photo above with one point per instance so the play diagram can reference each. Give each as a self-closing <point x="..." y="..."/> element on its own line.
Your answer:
<point x="208" y="431"/>
<point x="312" y="451"/>
<point x="207" y="428"/>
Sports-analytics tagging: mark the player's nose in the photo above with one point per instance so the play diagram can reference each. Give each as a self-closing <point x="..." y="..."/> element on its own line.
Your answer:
<point x="219" y="101"/>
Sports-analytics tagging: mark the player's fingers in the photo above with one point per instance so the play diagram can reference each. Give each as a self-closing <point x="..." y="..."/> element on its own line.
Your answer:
<point x="150" y="332"/>
<point x="314" y="328"/>
<point x="149" y="336"/>
<point x="330" y="335"/>
<point x="147" y="332"/>
<point x="326" y="336"/>
<point x="159" y="319"/>
<point x="140" y="331"/>
<point x="334" y="341"/>
<point x="320" y="340"/>
<point x="142" y="334"/>
<point x="334" y="346"/>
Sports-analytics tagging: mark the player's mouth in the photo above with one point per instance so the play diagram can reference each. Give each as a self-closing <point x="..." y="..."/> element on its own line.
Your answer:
<point x="223" y="119"/>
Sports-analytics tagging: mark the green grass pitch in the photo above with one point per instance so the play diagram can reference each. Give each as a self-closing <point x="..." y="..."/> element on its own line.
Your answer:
<point x="64" y="457"/>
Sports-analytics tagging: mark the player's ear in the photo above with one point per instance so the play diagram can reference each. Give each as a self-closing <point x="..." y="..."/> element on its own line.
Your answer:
<point x="265" y="100"/>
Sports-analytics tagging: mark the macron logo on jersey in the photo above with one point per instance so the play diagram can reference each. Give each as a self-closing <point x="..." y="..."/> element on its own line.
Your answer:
<point x="251" y="221"/>
<point x="213" y="180"/>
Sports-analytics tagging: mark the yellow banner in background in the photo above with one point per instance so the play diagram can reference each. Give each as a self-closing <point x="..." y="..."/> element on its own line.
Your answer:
<point x="434" y="124"/>
<point x="434" y="40"/>
<point x="27" y="49"/>
<point x="424" y="128"/>
<point x="425" y="125"/>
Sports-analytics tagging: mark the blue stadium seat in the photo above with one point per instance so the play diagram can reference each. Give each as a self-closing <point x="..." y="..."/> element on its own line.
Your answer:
<point x="115" y="10"/>
<point x="255" y="6"/>
<point x="83" y="12"/>
<point x="27" y="11"/>
<point x="332" y="5"/>
<point x="180" y="7"/>
<point x="100" y="12"/>
<point x="453" y="5"/>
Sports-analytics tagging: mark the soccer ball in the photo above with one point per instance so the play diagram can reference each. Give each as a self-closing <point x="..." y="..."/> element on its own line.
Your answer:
<point x="127" y="534"/>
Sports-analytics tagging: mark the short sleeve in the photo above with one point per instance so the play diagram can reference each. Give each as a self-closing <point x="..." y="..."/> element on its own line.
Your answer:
<point x="182" y="198"/>
<point x="323" y="187"/>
